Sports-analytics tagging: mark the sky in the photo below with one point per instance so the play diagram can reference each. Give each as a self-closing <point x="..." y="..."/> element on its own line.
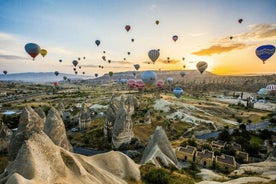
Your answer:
<point x="67" y="29"/>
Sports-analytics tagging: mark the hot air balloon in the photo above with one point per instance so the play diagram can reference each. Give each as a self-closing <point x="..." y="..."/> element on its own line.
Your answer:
<point x="75" y="63"/>
<point x="127" y="27"/>
<point x="149" y="77"/>
<point x="79" y="67"/>
<point x="84" y="57"/>
<point x="264" y="52"/>
<point x="64" y="78"/>
<point x="74" y="69"/>
<point x="60" y="60"/>
<point x="128" y="53"/>
<point x="263" y="91"/>
<point x="134" y="73"/>
<point x="157" y="22"/>
<point x="5" y="72"/>
<point x="169" y="80"/>
<point x="56" y="73"/>
<point x="103" y="57"/>
<point x="43" y="52"/>
<point x="96" y="75"/>
<point x="104" y="51"/>
<point x="124" y="59"/>
<point x="98" y="42"/>
<point x="32" y="49"/>
<point x="201" y="66"/>
<point x="110" y="73"/>
<point x="160" y="84"/>
<point x="231" y="37"/>
<point x="139" y="84"/>
<point x="184" y="66"/>
<point x="79" y="58"/>
<point x="131" y="83"/>
<point x="182" y="73"/>
<point x="153" y="55"/>
<point x="183" y="58"/>
<point x="178" y="92"/>
<point x="56" y="84"/>
<point x="136" y="66"/>
<point x="240" y="21"/>
<point x="76" y="72"/>
<point x="132" y="39"/>
<point x="83" y="73"/>
<point x="109" y="61"/>
<point x="175" y="38"/>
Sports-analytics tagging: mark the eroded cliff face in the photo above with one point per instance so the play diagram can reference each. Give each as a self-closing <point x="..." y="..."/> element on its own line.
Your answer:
<point x="118" y="124"/>
<point x="5" y="135"/>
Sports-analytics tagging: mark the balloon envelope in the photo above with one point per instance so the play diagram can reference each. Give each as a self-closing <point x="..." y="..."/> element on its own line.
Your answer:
<point x="75" y="63"/>
<point x="127" y="27"/>
<point x="201" y="66"/>
<point x="169" y="80"/>
<point x="32" y="49"/>
<point x="153" y="55"/>
<point x="157" y="22"/>
<point x="182" y="73"/>
<point x="175" y="38"/>
<point x="5" y="72"/>
<point x="149" y="78"/>
<point x="264" y="52"/>
<point x="160" y="84"/>
<point x="178" y="92"/>
<point x="56" y="73"/>
<point x="131" y="83"/>
<point x="43" y="52"/>
<point x="137" y="66"/>
<point x="98" y="42"/>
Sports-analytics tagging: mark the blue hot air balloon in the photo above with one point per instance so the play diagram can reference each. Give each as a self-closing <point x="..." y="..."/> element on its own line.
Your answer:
<point x="149" y="77"/>
<point x="178" y="92"/>
<point x="98" y="42"/>
<point x="264" y="52"/>
<point x="32" y="49"/>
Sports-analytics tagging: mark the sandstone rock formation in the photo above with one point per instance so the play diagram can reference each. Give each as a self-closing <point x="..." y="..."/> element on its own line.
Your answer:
<point x="159" y="150"/>
<point x="118" y="124"/>
<point x="41" y="113"/>
<point x="5" y="135"/>
<point x="55" y="129"/>
<point x="47" y="163"/>
<point x="84" y="118"/>
<point x="147" y="117"/>
<point x="29" y="123"/>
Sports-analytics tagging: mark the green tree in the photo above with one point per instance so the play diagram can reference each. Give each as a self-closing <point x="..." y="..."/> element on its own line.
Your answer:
<point x="224" y="136"/>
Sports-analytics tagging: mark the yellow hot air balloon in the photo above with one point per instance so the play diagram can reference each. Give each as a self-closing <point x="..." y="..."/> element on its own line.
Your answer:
<point x="43" y="52"/>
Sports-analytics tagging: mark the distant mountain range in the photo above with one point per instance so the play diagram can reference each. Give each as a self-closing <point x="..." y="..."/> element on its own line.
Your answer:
<point x="41" y="77"/>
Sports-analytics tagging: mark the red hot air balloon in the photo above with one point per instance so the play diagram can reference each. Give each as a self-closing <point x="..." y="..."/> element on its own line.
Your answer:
<point x="127" y="27"/>
<point x="32" y="49"/>
<point x="131" y="83"/>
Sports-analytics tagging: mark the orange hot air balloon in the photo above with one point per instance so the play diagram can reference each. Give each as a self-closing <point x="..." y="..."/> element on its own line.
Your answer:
<point x="43" y="52"/>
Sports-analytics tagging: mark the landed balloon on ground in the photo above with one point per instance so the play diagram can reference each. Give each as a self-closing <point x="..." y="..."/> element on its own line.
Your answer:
<point x="153" y="55"/>
<point x="32" y="49"/>
<point x="149" y="77"/>
<point x="201" y="66"/>
<point x="169" y="80"/>
<point x="139" y="84"/>
<point x="160" y="84"/>
<point x="264" y="52"/>
<point x="131" y="83"/>
<point x="178" y="92"/>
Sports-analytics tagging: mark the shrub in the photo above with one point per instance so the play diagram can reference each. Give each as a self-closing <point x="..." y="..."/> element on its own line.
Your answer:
<point x="158" y="175"/>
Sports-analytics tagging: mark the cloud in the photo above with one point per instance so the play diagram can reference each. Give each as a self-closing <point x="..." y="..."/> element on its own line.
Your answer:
<point x="196" y="34"/>
<point x="12" y="57"/>
<point x="257" y="33"/>
<point x="217" y="49"/>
